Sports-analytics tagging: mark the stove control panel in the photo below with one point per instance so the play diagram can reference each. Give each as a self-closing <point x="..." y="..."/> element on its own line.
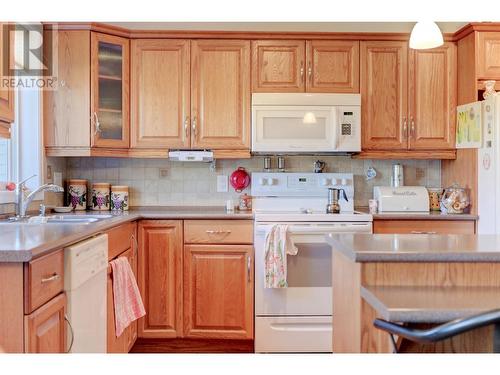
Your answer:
<point x="300" y="184"/>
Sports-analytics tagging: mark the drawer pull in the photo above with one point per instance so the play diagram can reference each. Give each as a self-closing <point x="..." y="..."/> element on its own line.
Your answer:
<point x="422" y="232"/>
<point x="54" y="277"/>
<point x="209" y="231"/>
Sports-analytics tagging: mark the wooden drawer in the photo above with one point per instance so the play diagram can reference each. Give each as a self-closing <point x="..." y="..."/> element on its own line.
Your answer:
<point x="43" y="280"/>
<point x="424" y="226"/>
<point x="120" y="239"/>
<point x="218" y="231"/>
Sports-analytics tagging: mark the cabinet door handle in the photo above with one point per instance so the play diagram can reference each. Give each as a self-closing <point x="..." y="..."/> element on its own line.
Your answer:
<point x="422" y="232"/>
<point x="135" y="245"/>
<point x="310" y="71"/>
<point x="210" y="231"/>
<point x="97" y="124"/>
<point x="54" y="277"/>
<point x="195" y="131"/>
<point x="412" y="127"/>
<point x="186" y="126"/>
<point x="72" y="333"/>
<point x="405" y="128"/>
<point x="249" y="268"/>
<point x="301" y="69"/>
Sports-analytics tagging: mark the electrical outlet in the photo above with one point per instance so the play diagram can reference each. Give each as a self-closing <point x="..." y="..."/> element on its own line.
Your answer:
<point x="222" y="184"/>
<point x="163" y="172"/>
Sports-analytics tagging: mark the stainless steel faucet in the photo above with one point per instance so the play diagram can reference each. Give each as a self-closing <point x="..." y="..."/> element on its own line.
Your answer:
<point x="22" y="202"/>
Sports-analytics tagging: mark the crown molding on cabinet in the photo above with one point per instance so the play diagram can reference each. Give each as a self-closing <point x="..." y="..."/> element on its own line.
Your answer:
<point x="189" y="34"/>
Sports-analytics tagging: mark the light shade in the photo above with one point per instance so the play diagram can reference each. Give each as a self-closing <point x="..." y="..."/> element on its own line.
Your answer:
<point x="425" y="35"/>
<point x="309" y="118"/>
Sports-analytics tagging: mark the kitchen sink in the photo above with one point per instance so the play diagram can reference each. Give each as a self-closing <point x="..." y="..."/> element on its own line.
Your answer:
<point x="58" y="219"/>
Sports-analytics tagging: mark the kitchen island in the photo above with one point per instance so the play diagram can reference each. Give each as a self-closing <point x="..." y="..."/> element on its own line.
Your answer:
<point x="404" y="278"/>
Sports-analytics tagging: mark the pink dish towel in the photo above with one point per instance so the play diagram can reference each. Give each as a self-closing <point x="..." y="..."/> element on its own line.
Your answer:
<point x="126" y="297"/>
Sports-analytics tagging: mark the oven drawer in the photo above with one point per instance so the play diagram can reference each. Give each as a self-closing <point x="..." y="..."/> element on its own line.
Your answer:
<point x="218" y="231"/>
<point x="293" y="334"/>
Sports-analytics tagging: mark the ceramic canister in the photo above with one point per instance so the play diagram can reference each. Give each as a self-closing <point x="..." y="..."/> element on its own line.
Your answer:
<point x="119" y="198"/>
<point x="100" y="197"/>
<point x="77" y="194"/>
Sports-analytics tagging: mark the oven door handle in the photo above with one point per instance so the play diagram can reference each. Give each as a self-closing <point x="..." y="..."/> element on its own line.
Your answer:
<point x="328" y="229"/>
<point x="301" y="327"/>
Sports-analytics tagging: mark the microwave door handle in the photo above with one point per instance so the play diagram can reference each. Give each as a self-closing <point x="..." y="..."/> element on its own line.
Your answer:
<point x="335" y="127"/>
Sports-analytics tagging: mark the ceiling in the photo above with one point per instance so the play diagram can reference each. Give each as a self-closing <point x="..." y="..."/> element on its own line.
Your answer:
<point x="369" y="27"/>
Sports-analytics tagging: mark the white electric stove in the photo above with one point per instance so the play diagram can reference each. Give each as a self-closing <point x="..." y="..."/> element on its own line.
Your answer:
<point x="299" y="318"/>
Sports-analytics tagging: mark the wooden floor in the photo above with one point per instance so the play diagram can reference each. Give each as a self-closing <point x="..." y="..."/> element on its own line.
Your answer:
<point x="192" y="346"/>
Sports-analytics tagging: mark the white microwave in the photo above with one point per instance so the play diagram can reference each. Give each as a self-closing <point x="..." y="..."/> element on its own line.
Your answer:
<point x="311" y="123"/>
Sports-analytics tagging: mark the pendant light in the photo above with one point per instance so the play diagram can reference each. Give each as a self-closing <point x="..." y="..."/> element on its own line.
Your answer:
<point x="425" y="35"/>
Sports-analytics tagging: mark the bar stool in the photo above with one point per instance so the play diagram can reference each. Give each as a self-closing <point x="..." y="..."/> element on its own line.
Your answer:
<point x="444" y="331"/>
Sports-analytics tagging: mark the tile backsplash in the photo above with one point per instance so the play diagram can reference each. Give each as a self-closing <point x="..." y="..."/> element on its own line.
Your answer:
<point x="161" y="182"/>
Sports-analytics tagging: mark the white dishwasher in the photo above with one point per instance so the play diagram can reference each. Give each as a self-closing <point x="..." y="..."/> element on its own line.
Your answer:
<point x="85" y="272"/>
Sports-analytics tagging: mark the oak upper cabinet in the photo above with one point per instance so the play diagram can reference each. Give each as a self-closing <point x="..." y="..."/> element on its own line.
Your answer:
<point x="160" y="93"/>
<point x="220" y="94"/>
<point x="305" y="66"/>
<point x="66" y="112"/>
<point x="45" y="330"/>
<point x="6" y="95"/>
<point x="488" y="55"/>
<point x="384" y="89"/>
<point x="160" y="278"/>
<point x="408" y="97"/>
<point x="433" y="98"/>
<point x="218" y="291"/>
<point x="278" y="65"/>
<point x="109" y="91"/>
<point x="89" y="109"/>
<point x="332" y="66"/>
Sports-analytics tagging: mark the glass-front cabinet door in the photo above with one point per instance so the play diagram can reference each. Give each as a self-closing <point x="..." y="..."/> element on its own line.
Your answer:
<point x="110" y="91"/>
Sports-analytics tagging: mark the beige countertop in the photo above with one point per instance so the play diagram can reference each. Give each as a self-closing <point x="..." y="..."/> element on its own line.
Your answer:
<point x="431" y="215"/>
<point x="417" y="247"/>
<point x="22" y="242"/>
<point x="412" y="304"/>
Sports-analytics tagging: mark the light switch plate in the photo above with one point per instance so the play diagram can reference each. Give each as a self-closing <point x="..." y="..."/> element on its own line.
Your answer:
<point x="222" y="184"/>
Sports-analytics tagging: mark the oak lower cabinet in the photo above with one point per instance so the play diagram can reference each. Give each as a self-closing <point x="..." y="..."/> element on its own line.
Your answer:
<point x="120" y="238"/>
<point x="160" y="278"/>
<point x="45" y="330"/>
<point x="218" y="291"/>
<point x="424" y="226"/>
<point x="408" y="97"/>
